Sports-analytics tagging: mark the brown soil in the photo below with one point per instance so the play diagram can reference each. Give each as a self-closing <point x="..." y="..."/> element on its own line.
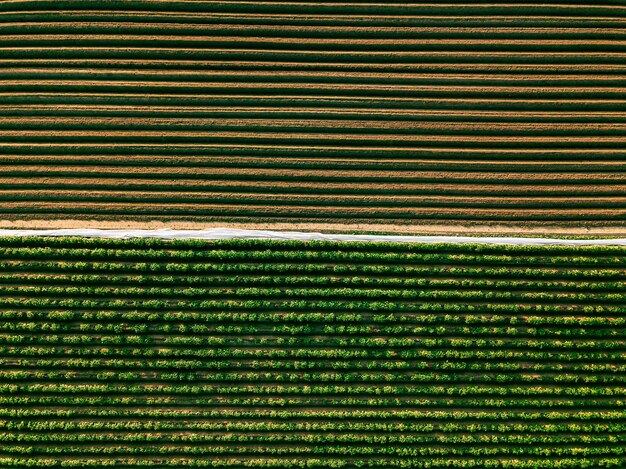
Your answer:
<point x="197" y="161"/>
<point x="176" y="172"/>
<point x="295" y="137"/>
<point x="175" y="125"/>
<point x="451" y="81"/>
<point x="479" y="189"/>
<point x="260" y="65"/>
<point x="435" y="102"/>
<point x="464" y="114"/>
<point x="313" y="41"/>
<point x="151" y="74"/>
<point x="313" y="200"/>
<point x="342" y="30"/>
<point x="583" y="90"/>
<point x="319" y="208"/>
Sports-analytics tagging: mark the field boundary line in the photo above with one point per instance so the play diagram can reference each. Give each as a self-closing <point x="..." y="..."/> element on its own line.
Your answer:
<point x="232" y="233"/>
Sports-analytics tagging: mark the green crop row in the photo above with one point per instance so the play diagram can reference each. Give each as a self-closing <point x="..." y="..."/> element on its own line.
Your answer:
<point x="302" y="463"/>
<point x="471" y="353"/>
<point x="120" y="400"/>
<point x="280" y="256"/>
<point x="313" y="438"/>
<point x="356" y="293"/>
<point x="311" y="415"/>
<point x="312" y="341"/>
<point x="302" y="365"/>
<point x="395" y="311"/>
<point x="246" y="245"/>
<point x="343" y="323"/>
<point x="181" y="272"/>
<point x="315" y="389"/>
<point x="308" y="377"/>
<point x="335" y="450"/>
<point x="193" y="330"/>
<point x="322" y="426"/>
<point x="303" y="280"/>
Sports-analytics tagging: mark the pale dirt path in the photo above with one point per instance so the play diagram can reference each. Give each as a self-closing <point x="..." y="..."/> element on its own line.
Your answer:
<point x="616" y="230"/>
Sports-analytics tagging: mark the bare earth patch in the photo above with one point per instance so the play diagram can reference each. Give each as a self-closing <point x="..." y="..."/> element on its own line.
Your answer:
<point x="434" y="229"/>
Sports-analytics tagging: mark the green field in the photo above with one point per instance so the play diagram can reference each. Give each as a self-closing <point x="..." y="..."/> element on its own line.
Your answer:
<point x="147" y="353"/>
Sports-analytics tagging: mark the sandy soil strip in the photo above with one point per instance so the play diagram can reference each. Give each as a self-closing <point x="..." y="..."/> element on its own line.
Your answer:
<point x="355" y="113"/>
<point x="190" y="16"/>
<point x="322" y="150"/>
<point x="387" y="55"/>
<point x="210" y="197"/>
<point x="371" y="138"/>
<point x="153" y="75"/>
<point x="413" y="176"/>
<point x="300" y="66"/>
<point x="343" y="30"/>
<point x="166" y="210"/>
<point x="243" y="161"/>
<point x="424" y="229"/>
<point x="549" y="158"/>
<point x="180" y="184"/>
<point x="317" y="87"/>
<point x="70" y="38"/>
<point x="182" y="74"/>
<point x="186" y="124"/>
<point x="327" y="100"/>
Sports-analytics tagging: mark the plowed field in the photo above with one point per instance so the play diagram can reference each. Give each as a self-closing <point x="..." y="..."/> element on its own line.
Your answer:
<point x="494" y="117"/>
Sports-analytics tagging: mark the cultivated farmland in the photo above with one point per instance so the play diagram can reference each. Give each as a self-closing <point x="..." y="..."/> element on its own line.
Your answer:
<point x="239" y="353"/>
<point x="413" y="117"/>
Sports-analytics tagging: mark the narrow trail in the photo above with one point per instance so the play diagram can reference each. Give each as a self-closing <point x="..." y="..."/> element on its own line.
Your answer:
<point x="232" y="233"/>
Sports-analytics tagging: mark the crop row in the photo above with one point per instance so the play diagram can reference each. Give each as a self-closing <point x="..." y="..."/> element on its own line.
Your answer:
<point x="292" y="246"/>
<point x="121" y="401"/>
<point x="291" y="353"/>
<point x="345" y="451"/>
<point x="310" y="438"/>
<point x="292" y="308"/>
<point x="264" y="330"/>
<point x="188" y="272"/>
<point x="304" y="280"/>
<point x="380" y="364"/>
<point x="15" y="376"/>
<point x="315" y="389"/>
<point x="371" y="294"/>
<point x="176" y="414"/>
<point x="306" y="341"/>
<point x="280" y="256"/>
<point x="270" y="462"/>
<point x="344" y="323"/>
<point x="317" y="425"/>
